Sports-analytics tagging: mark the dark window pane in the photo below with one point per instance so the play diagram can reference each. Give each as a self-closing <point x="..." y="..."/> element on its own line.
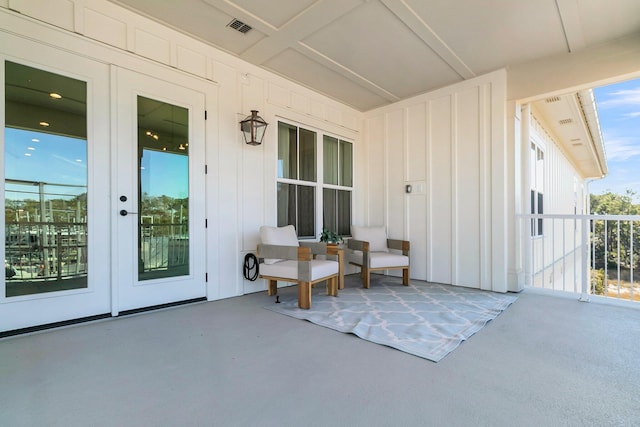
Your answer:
<point x="329" y="200"/>
<point x="287" y="151"/>
<point x="346" y="164"/>
<point x="533" y="211"/>
<point x="307" y="155"/>
<point x="306" y="211"/>
<point x="540" y="200"/>
<point x="540" y="211"/>
<point x="286" y="204"/>
<point x="330" y="160"/>
<point x="344" y="213"/>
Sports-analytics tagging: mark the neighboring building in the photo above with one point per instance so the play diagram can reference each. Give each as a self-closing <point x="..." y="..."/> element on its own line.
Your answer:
<point x="566" y="152"/>
<point x="148" y="194"/>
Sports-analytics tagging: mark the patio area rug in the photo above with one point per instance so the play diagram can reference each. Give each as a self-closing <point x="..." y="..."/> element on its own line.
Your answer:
<point x="424" y="319"/>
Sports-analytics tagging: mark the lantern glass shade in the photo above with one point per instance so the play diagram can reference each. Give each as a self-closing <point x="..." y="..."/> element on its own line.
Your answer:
<point x="253" y="128"/>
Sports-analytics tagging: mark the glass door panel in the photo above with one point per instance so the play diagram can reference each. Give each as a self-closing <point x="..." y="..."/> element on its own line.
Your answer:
<point x="45" y="181"/>
<point x="163" y="230"/>
<point x="56" y="219"/>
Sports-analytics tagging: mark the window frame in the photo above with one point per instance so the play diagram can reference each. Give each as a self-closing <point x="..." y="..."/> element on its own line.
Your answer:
<point x="319" y="186"/>
<point x="536" y="187"/>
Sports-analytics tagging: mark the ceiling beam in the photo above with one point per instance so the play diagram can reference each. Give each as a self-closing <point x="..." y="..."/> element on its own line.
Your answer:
<point x="421" y="29"/>
<point x="354" y="77"/>
<point x="570" y="17"/>
<point x="292" y="34"/>
<point x="314" y="18"/>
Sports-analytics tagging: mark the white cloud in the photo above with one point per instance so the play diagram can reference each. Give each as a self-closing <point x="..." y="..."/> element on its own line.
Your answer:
<point x="624" y="97"/>
<point x="622" y="149"/>
<point x="633" y="114"/>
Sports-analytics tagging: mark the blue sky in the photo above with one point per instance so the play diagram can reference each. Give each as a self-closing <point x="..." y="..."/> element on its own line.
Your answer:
<point x="619" y="113"/>
<point x="54" y="159"/>
<point x="42" y="157"/>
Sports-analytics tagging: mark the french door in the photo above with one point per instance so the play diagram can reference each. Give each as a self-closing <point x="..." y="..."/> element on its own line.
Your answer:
<point x="54" y="142"/>
<point x="159" y="182"/>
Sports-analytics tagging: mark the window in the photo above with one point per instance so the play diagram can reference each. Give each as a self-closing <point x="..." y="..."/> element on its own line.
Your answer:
<point x="536" y="167"/>
<point x="338" y="181"/>
<point x="313" y="180"/>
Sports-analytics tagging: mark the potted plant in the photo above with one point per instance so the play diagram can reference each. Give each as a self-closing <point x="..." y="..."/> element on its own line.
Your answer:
<point x="330" y="237"/>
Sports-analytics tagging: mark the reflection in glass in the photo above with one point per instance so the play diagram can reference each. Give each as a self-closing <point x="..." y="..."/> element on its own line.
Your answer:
<point x="45" y="181"/>
<point x="163" y="155"/>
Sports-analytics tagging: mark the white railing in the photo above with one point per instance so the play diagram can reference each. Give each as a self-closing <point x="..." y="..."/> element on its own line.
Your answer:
<point x="588" y="255"/>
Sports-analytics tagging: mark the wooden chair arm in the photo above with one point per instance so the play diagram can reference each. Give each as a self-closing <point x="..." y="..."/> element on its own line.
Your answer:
<point x="304" y="253"/>
<point x="401" y="245"/>
<point x="358" y="245"/>
<point x="334" y="250"/>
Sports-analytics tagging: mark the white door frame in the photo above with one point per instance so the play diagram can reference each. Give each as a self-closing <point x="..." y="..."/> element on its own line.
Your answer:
<point x="130" y="293"/>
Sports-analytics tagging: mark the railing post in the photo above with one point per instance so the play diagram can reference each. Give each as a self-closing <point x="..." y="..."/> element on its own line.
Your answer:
<point x="584" y="296"/>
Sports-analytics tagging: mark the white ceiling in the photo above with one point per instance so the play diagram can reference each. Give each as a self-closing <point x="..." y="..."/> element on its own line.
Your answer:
<point x="369" y="53"/>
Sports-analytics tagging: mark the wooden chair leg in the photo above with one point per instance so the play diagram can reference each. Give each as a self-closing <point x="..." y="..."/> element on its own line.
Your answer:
<point x="366" y="278"/>
<point x="272" y="287"/>
<point x="332" y="286"/>
<point x="304" y="295"/>
<point x="405" y="276"/>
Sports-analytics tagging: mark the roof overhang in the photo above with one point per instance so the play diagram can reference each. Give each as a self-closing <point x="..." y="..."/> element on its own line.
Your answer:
<point x="572" y="119"/>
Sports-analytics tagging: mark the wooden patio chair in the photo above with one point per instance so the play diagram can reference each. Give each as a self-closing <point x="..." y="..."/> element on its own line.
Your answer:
<point x="370" y="249"/>
<point x="288" y="260"/>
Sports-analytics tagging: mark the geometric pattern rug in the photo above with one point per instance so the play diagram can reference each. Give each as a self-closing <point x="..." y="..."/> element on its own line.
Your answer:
<point x="428" y="320"/>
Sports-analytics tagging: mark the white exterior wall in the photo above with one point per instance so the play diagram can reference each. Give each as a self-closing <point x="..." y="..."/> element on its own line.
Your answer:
<point x="450" y="145"/>
<point x="241" y="187"/>
<point x="455" y="147"/>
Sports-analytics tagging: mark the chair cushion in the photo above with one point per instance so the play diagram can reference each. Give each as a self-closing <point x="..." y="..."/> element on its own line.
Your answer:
<point x="376" y="236"/>
<point x="289" y="269"/>
<point x="283" y="236"/>
<point x="380" y="259"/>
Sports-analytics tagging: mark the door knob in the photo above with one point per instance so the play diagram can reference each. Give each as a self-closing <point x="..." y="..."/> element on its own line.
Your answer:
<point x="124" y="212"/>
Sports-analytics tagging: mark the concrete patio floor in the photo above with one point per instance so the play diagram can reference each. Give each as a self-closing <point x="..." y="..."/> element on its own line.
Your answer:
<point x="545" y="361"/>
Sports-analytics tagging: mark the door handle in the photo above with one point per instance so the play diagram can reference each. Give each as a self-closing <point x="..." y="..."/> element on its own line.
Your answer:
<point x="124" y="212"/>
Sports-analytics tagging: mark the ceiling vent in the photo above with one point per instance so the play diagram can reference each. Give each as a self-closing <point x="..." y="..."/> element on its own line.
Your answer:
<point x="566" y="121"/>
<point x="552" y="99"/>
<point x="239" y="26"/>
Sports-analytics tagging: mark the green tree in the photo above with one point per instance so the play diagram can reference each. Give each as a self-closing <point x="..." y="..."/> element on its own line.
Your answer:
<point x="613" y="236"/>
<point x="597" y="282"/>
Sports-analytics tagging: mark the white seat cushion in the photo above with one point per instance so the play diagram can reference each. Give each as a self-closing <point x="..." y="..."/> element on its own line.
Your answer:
<point x="376" y="236"/>
<point x="289" y="269"/>
<point x="283" y="236"/>
<point x="380" y="259"/>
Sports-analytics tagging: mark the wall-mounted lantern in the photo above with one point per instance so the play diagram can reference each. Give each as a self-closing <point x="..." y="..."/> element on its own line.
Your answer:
<point x="253" y="128"/>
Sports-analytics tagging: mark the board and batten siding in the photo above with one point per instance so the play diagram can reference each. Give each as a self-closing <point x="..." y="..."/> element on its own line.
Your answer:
<point x="450" y="146"/>
<point x="241" y="180"/>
